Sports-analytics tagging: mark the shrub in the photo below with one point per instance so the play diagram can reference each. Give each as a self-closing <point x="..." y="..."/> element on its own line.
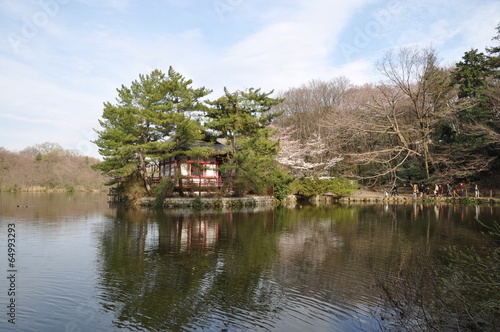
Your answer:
<point x="308" y="187"/>
<point x="163" y="190"/>
<point x="281" y="181"/>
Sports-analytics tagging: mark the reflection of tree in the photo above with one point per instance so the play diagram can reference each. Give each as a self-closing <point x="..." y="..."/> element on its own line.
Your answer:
<point x="189" y="271"/>
<point x="263" y="270"/>
<point x="325" y="252"/>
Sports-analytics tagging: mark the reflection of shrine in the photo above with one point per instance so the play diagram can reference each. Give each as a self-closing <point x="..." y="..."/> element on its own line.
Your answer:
<point x="183" y="233"/>
<point x="197" y="234"/>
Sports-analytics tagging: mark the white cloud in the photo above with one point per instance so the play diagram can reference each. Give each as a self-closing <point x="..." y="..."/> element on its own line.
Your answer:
<point x="62" y="75"/>
<point x="63" y="123"/>
<point x="477" y="35"/>
<point x="359" y="72"/>
<point x="290" y="49"/>
<point x="118" y="5"/>
<point x="451" y="29"/>
<point x="34" y="93"/>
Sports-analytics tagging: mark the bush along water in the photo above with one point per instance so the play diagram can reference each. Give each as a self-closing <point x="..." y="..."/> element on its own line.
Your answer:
<point x="308" y="187"/>
<point x="163" y="190"/>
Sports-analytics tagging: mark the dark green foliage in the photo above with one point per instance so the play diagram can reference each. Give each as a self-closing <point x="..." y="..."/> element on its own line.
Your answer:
<point x="163" y="190"/>
<point x="340" y="187"/>
<point x="255" y="163"/>
<point x="494" y="55"/>
<point x="470" y="74"/>
<point x="472" y="281"/>
<point x="281" y="181"/>
<point x="141" y="125"/>
<point x="241" y="114"/>
<point x="472" y="138"/>
<point x="242" y="118"/>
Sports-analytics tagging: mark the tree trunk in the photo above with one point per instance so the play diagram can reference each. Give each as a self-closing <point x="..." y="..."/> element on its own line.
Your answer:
<point x="143" y="173"/>
<point x="426" y="159"/>
<point x="178" y="175"/>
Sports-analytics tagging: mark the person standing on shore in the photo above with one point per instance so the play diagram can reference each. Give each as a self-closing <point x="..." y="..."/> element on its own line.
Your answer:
<point x="476" y="191"/>
<point x="394" y="191"/>
<point x="449" y="188"/>
<point x="442" y="190"/>
<point x="462" y="190"/>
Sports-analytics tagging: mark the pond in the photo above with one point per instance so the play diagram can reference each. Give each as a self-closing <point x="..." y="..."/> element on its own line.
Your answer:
<point x="77" y="264"/>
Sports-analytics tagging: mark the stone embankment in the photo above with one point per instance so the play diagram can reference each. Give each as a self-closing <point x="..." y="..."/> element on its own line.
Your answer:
<point x="376" y="197"/>
<point x="224" y="202"/>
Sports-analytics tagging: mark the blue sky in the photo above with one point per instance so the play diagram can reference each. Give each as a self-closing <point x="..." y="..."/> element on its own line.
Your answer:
<point x="61" y="59"/>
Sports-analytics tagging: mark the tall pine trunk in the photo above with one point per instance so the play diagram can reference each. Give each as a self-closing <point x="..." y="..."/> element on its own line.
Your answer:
<point x="178" y="176"/>
<point x="144" y="173"/>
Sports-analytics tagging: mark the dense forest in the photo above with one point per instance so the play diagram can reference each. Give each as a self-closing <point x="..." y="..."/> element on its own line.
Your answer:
<point x="48" y="166"/>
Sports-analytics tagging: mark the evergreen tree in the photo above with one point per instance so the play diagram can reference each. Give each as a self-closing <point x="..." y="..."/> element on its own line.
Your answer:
<point x="494" y="54"/>
<point x="471" y="76"/>
<point x="139" y="127"/>
<point x="242" y="118"/>
<point x="475" y="140"/>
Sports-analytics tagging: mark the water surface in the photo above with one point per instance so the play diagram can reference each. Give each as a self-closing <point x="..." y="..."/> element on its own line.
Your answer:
<point x="84" y="266"/>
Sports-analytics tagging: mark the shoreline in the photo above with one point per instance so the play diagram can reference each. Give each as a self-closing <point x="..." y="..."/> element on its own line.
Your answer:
<point x="205" y="202"/>
<point x="360" y="197"/>
<point x="365" y="196"/>
<point x="53" y="190"/>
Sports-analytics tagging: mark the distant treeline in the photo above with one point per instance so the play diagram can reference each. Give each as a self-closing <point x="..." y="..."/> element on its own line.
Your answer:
<point x="48" y="166"/>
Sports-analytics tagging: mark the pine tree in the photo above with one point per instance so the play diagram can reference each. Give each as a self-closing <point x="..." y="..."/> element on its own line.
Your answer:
<point x="138" y="128"/>
<point x="242" y="118"/>
<point x="494" y="54"/>
<point x="471" y="76"/>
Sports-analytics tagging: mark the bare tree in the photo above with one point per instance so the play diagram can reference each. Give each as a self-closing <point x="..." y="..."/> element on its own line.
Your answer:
<point x="308" y="147"/>
<point x="50" y="167"/>
<point x="305" y="108"/>
<point x="415" y="74"/>
<point x="375" y="131"/>
<point x="410" y="125"/>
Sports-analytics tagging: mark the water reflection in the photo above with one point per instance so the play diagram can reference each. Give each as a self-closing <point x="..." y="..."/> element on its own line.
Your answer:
<point x="188" y="271"/>
<point x="49" y="207"/>
<point x="292" y="269"/>
<point x="86" y="266"/>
